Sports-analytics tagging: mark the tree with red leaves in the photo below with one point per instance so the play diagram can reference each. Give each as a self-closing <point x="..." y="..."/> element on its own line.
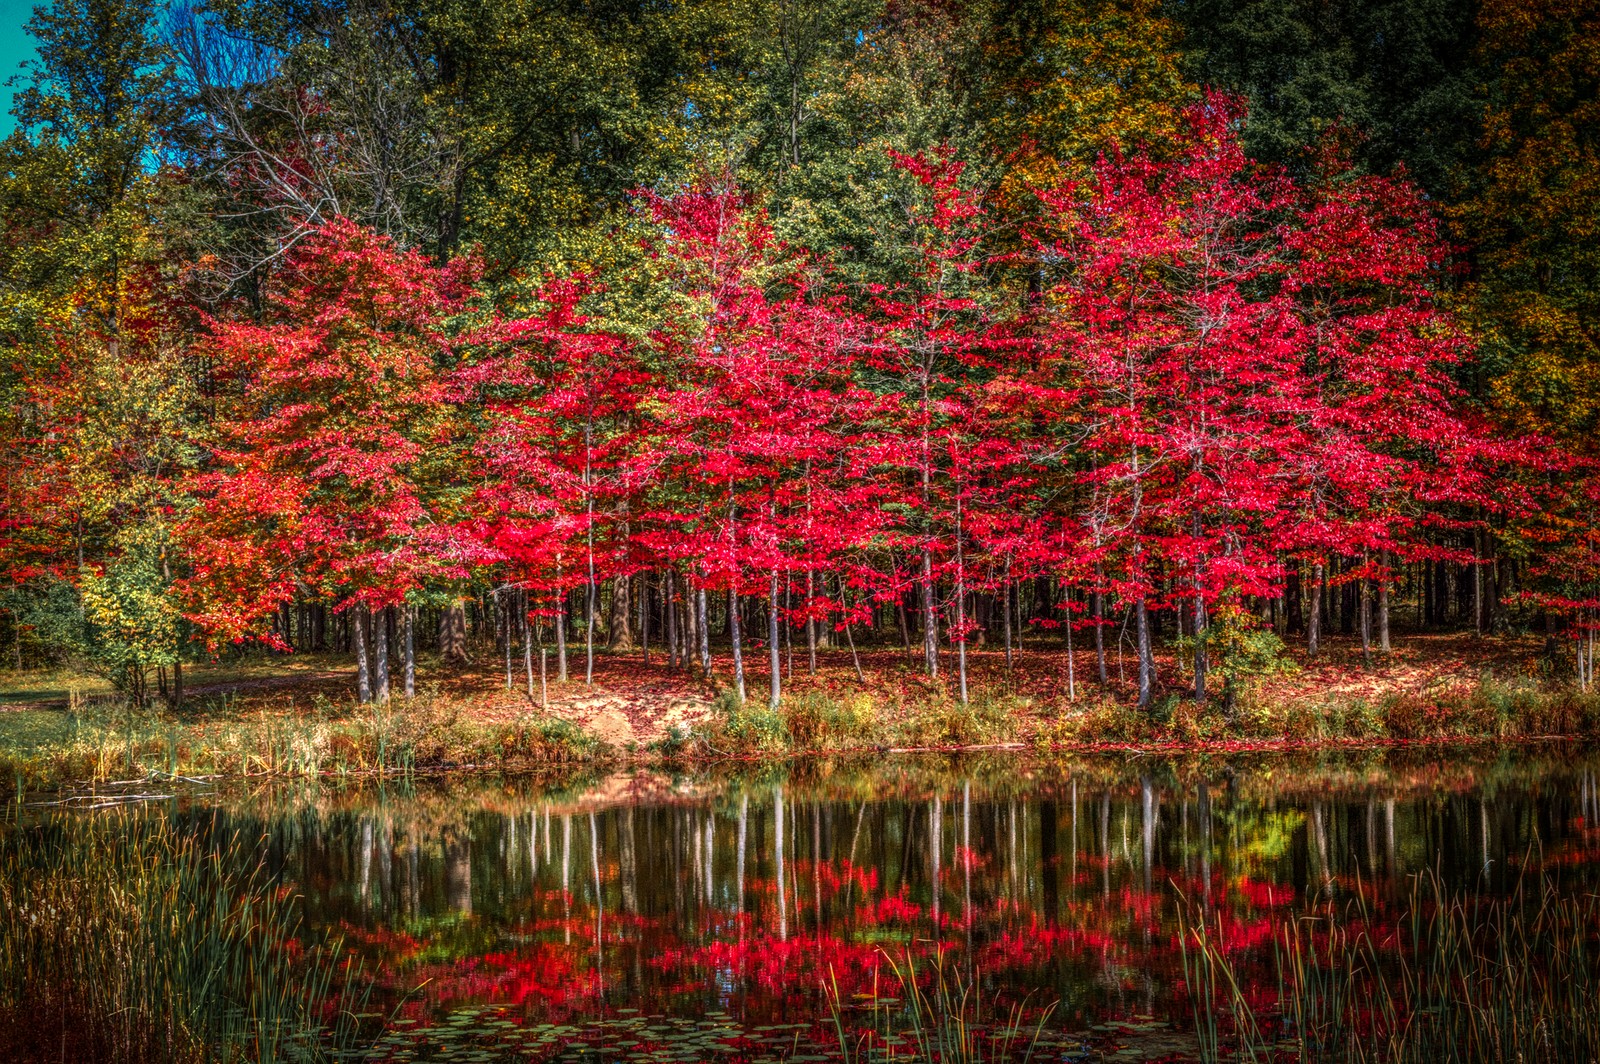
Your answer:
<point x="933" y="343"/>
<point x="1251" y="359"/>
<point x="559" y="394"/>
<point x="748" y="444"/>
<point x="1188" y="355"/>
<point x="1389" y="451"/>
<point x="322" y="473"/>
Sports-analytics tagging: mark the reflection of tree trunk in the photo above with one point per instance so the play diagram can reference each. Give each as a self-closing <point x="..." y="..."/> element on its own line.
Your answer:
<point x="744" y="820"/>
<point x="1372" y="838"/>
<point x="366" y="863"/>
<point x="935" y="844"/>
<point x="566" y="876"/>
<point x="1147" y="796"/>
<point x="783" y="907"/>
<point x="1388" y="841"/>
<point x="1205" y="842"/>
<point x="411" y="895"/>
<point x="711" y="832"/>
<point x="1049" y="862"/>
<point x="458" y="871"/>
<point x="630" y="889"/>
<point x="599" y="906"/>
<point x="1319" y="832"/>
<point x="966" y="859"/>
<point x="1073" y="882"/>
<point x="1105" y="844"/>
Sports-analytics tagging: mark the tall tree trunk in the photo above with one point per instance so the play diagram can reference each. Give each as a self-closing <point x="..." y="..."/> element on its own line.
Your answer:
<point x="358" y="629"/>
<point x="411" y="653"/>
<point x="703" y="631"/>
<point x="561" y="629"/>
<point x="1072" y="672"/>
<point x="850" y="635"/>
<point x="1477" y="581"/>
<point x="644" y="615"/>
<point x="1100" y="624"/>
<point x="1364" y="591"/>
<point x="380" y="643"/>
<point x="1319" y="584"/>
<point x="1147" y="661"/>
<point x="930" y="621"/>
<point x="905" y="624"/>
<point x="787" y="631"/>
<point x="1199" y="632"/>
<point x="453" y="636"/>
<point x="961" y="604"/>
<point x="619" y="635"/>
<point x="738" y="651"/>
<point x="1005" y="611"/>
<point x="527" y="638"/>
<point x="773" y="635"/>
<point x="1383" y="603"/>
<point x="588" y="625"/>
<point x="669" y="615"/>
<point x="503" y="608"/>
<point x="811" y="625"/>
<point x="1291" y="600"/>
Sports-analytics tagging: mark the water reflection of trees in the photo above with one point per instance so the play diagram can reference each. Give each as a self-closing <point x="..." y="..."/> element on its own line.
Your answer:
<point x="747" y="890"/>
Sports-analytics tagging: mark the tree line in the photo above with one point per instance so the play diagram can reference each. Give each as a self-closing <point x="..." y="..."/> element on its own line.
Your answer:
<point x="937" y="322"/>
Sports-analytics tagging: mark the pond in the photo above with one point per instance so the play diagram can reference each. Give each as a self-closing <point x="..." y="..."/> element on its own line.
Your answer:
<point x="744" y="907"/>
<point x="750" y="897"/>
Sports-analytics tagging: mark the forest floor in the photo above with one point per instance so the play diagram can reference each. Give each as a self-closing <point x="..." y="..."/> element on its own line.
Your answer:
<point x="295" y="714"/>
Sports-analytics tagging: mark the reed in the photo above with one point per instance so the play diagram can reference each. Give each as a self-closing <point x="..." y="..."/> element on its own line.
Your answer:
<point x="125" y="938"/>
<point x="944" y="1024"/>
<point x="1459" y="977"/>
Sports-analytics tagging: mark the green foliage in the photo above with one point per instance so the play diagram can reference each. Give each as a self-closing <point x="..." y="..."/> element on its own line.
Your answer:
<point x="747" y="727"/>
<point x="1532" y="216"/>
<point x="816" y="720"/>
<point x="1241" y="651"/>
<point x="131" y="623"/>
<point x="1398" y="75"/>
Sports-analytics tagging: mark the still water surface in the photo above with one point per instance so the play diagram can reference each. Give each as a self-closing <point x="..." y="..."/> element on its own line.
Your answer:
<point x="633" y="907"/>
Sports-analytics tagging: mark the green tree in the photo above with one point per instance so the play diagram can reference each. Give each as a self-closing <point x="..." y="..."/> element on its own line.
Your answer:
<point x="1400" y="72"/>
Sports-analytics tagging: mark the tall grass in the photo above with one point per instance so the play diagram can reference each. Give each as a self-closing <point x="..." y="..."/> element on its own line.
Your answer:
<point x="1458" y="978"/>
<point x="125" y="938"/>
<point x="945" y="1024"/>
